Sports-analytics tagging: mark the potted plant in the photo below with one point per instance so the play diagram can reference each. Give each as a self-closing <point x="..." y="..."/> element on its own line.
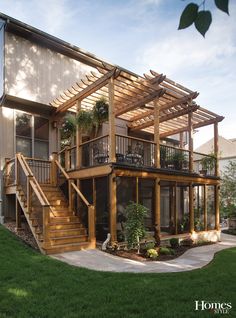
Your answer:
<point x="178" y="159"/>
<point x="207" y="163"/>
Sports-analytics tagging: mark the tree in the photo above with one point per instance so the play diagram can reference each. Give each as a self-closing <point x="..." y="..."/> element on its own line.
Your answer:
<point x="228" y="189"/>
<point x="202" y="19"/>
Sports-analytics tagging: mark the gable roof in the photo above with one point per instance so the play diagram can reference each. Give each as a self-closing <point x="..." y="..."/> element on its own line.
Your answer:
<point x="227" y="147"/>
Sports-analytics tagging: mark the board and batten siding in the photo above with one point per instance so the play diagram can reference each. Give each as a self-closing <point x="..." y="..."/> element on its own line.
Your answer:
<point x="37" y="73"/>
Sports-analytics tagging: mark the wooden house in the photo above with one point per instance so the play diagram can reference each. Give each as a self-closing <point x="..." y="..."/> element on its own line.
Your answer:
<point x="73" y="197"/>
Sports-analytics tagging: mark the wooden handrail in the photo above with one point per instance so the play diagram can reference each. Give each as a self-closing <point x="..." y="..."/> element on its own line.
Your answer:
<point x="205" y="155"/>
<point x="80" y="194"/>
<point x="135" y="138"/>
<point x="62" y="169"/>
<point x="37" y="159"/>
<point x="176" y="148"/>
<point x="91" y="140"/>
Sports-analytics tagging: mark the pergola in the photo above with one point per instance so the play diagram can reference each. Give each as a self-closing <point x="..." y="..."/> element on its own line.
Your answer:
<point x="151" y="103"/>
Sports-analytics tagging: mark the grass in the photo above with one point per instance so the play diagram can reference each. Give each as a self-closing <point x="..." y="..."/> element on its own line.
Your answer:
<point x="35" y="286"/>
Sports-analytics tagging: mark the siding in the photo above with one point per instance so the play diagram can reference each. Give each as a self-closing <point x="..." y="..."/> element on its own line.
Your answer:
<point x="36" y="73"/>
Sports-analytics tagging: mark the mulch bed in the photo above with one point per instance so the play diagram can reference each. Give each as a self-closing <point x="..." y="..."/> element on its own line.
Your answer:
<point x="25" y="234"/>
<point x="132" y="254"/>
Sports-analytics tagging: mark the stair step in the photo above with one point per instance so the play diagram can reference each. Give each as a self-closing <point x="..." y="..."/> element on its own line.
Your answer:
<point x="66" y="248"/>
<point x="66" y="225"/>
<point x="67" y="232"/>
<point x="64" y="219"/>
<point x="68" y="239"/>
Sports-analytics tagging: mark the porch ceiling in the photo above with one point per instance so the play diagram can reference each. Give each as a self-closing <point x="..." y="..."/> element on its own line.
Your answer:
<point x="134" y="99"/>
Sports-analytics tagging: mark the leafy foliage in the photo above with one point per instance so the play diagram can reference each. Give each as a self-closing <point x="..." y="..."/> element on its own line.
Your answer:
<point x="202" y="19"/>
<point x="85" y="121"/>
<point x="228" y="189"/>
<point x="134" y="225"/>
<point x="152" y="253"/>
<point x="68" y="130"/>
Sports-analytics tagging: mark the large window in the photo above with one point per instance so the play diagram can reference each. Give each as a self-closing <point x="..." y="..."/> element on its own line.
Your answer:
<point x="32" y="133"/>
<point x="198" y="200"/>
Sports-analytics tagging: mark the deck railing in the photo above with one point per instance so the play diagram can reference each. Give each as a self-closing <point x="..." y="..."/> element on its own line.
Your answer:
<point x="204" y="164"/>
<point x="41" y="169"/>
<point x="94" y="152"/>
<point x="134" y="151"/>
<point x="172" y="158"/>
<point x="9" y="173"/>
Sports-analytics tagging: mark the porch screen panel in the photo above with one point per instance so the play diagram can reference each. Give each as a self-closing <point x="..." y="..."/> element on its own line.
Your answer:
<point x="182" y="209"/>
<point x="211" y="218"/>
<point x="146" y="198"/>
<point x="102" y="208"/>
<point x="126" y="192"/>
<point x="198" y="200"/>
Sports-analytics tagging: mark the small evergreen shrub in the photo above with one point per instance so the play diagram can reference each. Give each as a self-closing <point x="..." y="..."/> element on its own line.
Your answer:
<point x="174" y="242"/>
<point x="152" y="253"/>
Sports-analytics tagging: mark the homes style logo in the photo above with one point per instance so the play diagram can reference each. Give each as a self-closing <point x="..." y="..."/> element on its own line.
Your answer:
<point x="216" y="307"/>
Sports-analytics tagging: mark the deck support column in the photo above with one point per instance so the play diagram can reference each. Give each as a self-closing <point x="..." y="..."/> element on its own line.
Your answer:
<point x="78" y="138"/>
<point x="157" y="133"/>
<point x="112" y="205"/>
<point x="157" y="210"/>
<point x="18" y="216"/>
<point x="190" y="140"/>
<point x="191" y="209"/>
<point x="217" y="173"/>
<point x="112" y="136"/>
<point x="54" y="168"/>
<point x="217" y="206"/>
<point x="175" y="208"/>
<point x="205" y="207"/>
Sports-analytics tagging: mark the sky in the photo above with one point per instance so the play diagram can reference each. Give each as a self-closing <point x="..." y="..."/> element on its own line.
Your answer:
<point x="141" y="35"/>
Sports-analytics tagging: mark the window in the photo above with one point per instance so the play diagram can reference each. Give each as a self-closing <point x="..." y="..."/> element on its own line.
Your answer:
<point x="32" y="135"/>
<point x="2" y="23"/>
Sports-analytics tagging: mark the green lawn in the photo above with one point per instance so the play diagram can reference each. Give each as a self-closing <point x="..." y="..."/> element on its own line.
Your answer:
<point x="35" y="286"/>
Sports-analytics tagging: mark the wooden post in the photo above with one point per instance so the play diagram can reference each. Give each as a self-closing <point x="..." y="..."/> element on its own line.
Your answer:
<point x="157" y="210"/>
<point x="94" y="197"/>
<point x="54" y="168"/>
<point x="70" y="194"/>
<point x="46" y="221"/>
<point x="67" y="159"/>
<point x="29" y="194"/>
<point x="216" y="149"/>
<point x="78" y="138"/>
<point x="181" y="140"/>
<point x="190" y="141"/>
<point x="205" y="207"/>
<point x="112" y="137"/>
<point x="217" y="207"/>
<point x="113" y="212"/>
<point x="91" y="225"/>
<point x="18" y="215"/>
<point x="191" y="209"/>
<point x="157" y="133"/>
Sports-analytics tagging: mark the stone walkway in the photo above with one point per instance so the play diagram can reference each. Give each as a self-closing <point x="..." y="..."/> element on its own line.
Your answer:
<point x="192" y="259"/>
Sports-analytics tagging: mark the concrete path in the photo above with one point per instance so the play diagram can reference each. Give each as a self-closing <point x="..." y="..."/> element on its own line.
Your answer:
<point x="192" y="259"/>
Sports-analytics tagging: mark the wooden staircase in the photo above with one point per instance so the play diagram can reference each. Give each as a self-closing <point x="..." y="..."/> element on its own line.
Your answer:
<point x="50" y="215"/>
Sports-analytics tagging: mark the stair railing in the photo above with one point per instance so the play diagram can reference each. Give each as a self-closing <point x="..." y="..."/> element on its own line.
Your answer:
<point x="35" y="198"/>
<point x="72" y="188"/>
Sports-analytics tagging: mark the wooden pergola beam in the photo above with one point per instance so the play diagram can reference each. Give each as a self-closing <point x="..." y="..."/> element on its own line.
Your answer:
<point x="176" y="102"/>
<point x="102" y="81"/>
<point x="195" y="126"/>
<point x="141" y="102"/>
<point x="166" y="117"/>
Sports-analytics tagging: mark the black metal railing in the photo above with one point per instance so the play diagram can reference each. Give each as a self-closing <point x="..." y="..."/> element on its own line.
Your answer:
<point x="172" y="158"/>
<point x="95" y="152"/>
<point x="204" y="164"/>
<point x="41" y="169"/>
<point x="134" y="151"/>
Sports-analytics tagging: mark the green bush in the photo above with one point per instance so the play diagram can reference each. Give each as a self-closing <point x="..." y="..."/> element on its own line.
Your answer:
<point x="166" y="251"/>
<point x="134" y="225"/>
<point x="187" y="242"/>
<point x="148" y="246"/>
<point x="152" y="253"/>
<point x="174" y="242"/>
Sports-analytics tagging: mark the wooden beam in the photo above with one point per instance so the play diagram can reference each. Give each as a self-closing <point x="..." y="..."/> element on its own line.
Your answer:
<point x="156" y="122"/>
<point x="78" y="138"/>
<point x="168" y="105"/>
<point x="190" y="141"/>
<point x="195" y="126"/>
<point x="141" y="102"/>
<point x="102" y="81"/>
<point x="112" y="137"/>
<point x="216" y="148"/>
<point x="191" y="209"/>
<point x="165" y="118"/>
<point x="217" y="207"/>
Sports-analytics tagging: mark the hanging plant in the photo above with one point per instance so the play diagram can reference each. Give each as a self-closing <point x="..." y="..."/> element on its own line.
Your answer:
<point x="68" y="130"/>
<point x="85" y="121"/>
<point x="100" y="113"/>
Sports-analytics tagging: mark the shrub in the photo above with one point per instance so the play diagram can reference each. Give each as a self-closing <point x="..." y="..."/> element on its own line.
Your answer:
<point x="166" y="251"/>
<point x="152" y="253"/>
<point x="148" y="246"/>
<point x="134" y="225"/>
<point x="174" y="242"/>
<point x="187" y="242"/>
